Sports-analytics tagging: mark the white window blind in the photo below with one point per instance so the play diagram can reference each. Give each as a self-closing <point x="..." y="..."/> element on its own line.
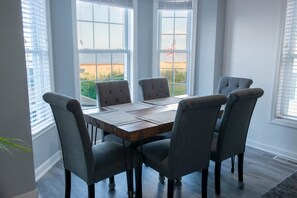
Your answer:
<point x="287" y="90"/>
<point x="116" y="3"/>
<point x="174" y="4"/>
<point x="37" y="61"/>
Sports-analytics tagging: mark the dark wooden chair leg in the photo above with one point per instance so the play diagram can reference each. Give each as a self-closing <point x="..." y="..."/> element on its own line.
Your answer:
<point x="170" y="188"/>
<point x="67" y="183"/>
<point x="204" y="183"/>
<point x="91" y="191"/>
<point x="240" y="170"/>
<point x="111" y="183"/>
<point x="130" y="182"/>
<point x="232" y="164"/>
<point x="218" y="178"/>
<point x="138" y="179"/>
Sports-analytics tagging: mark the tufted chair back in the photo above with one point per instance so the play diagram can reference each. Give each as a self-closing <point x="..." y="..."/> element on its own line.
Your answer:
<point x="229" y="84"/>
<point x="153" y="88"/>
<point x="113" y="93"/>
<point x="235" y="123"/>
<point x="74" y="137"/>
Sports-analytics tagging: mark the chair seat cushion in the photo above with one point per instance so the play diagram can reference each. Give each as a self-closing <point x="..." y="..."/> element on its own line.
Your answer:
<point x="156" y="152"/>
<point x="109" y="159"/>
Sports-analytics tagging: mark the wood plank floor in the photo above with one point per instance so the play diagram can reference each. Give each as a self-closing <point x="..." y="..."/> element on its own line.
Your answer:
<point x="261" y="173"/>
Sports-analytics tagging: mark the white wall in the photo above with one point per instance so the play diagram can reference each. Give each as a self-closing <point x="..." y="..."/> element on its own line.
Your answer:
<point x="251" y="49"/>
<point x="17" y="170"/>
<point x="210" y="43"/>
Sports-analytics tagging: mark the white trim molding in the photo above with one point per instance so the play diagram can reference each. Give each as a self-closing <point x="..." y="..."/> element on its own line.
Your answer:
<point x="47" y="165"/>
<point x="274" y="150"/>
<point x="31" y="194"/>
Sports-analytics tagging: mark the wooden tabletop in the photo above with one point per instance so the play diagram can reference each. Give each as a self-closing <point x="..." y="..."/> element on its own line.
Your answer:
<point x="133" y="121"/>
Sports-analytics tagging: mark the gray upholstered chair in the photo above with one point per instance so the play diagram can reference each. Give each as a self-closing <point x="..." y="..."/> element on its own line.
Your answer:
<point x="153" y="88"/>
<point x="188" y="150"/>
<point x="228" y="84"/>
<point x="230" y="139"/>
<point x="112" y="93"/>
<point x="90" y="163"/>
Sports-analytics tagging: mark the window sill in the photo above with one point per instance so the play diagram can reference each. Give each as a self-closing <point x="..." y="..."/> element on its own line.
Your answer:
<point x="284" y="122"/>
<point x="43" y="130"/>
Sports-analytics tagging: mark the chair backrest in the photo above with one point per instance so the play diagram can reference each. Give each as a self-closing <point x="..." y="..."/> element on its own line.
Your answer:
<point x="229" y="84"/>
<point x="192" y="134"/>
<point x="113" y="93"/>
<point x="235" y="122"/>
<point x="74" y="137"/>
<point x="153" y="88"/>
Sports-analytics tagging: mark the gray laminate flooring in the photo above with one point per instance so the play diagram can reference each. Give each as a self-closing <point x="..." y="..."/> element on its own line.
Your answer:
<point x="261" y="173"/>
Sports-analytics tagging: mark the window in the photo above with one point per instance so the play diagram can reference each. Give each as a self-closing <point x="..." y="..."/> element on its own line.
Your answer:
<point x="104" y="36"/>
<point x="174" y="54"/>
<point x="37" y="61"/>
<point x="286" y="102"/>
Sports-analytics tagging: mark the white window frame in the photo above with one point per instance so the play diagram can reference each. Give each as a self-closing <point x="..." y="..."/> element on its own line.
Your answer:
<point x="275" y="118"/>
<point x="49" y="122"/>
<point x="128" y="70"/>
<point x="192" y="45"/>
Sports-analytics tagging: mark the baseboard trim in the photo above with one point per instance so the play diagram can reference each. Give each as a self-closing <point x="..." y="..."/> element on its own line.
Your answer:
<point x="48" y="164"/>
<point x="273" y="150"/>
<point x="31" y="194"/>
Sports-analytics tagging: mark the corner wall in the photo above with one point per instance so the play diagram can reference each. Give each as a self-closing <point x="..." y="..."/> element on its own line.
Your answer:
<point x="210" y="44"/>
<point x="251" y="49"/>
<point x="17" y="169"/>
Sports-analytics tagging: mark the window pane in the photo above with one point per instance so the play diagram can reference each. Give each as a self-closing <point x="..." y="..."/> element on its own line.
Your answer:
<point x="174" y="49"/>
<point x="116" y="37"/>
<point x="166" y="65"/>
<point x="100" y="13"/>
<point x="100" y="39"/>
<point x="167" y="26"/>
<point x="116" y="15"/>
<point x="87" y="63"/>
<point x="104" y="66"/>
<point x="118" y="62"/>
<point x="88" y="68"/>
<point x="174" y="68"/>
<point x="181" y="42"/>
<point x="101" y="36"/>
<point x="180" y="26"/>
<point x="167" y="13"/>
<point x="167" y="42"/>
<point x="180" y="65"/>
<point x="85" y="35"/>
<point x="84" y="11"/>
<point x="181" y="13"/>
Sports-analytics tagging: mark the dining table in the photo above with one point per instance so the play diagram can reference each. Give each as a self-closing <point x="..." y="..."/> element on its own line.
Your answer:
<point x="135" y="121"/>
